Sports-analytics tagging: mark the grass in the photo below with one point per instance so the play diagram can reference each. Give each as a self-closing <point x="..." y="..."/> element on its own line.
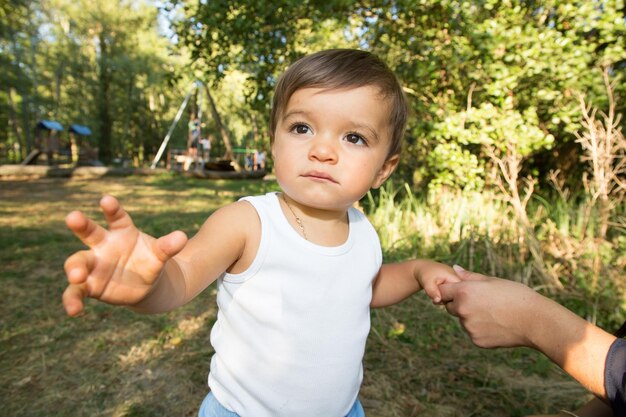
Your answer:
<point x="112" y="362"/>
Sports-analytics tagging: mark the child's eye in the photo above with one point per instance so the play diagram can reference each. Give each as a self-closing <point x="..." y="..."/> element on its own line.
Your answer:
<point x="356" y="139"/>
<point x="300" y="129"/>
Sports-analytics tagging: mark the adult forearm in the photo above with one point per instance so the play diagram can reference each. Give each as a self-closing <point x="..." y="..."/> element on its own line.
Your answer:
<point x="577" y="346"/>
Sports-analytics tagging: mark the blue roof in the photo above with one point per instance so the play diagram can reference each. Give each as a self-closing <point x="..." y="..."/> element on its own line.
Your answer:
<point x="80" y="130"/>
<point x="49" y="125"/>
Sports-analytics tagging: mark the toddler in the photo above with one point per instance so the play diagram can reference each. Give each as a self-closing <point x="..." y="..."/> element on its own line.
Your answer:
<point x="297" y="271"/>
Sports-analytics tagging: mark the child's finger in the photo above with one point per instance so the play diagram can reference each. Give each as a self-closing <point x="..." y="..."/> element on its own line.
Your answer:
<point x="169" y="245"/>
<point x="78" y="266"/>
<point x="432" y="290"/>
<point x="114" y="213"/>
<point x="88" y="231"/>
<point x="73" y="299"/>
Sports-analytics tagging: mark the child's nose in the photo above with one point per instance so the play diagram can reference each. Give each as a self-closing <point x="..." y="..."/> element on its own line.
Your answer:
<point x="323" y="149"/>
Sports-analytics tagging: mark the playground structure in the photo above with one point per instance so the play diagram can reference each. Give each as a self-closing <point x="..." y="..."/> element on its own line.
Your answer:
<point x="176" y="157"/>
<point x="58" y="154"/>
<point x="197" y="152"/>
<point x="83" y="154"/>
<point x="250" y="159"/>
<point x="74" y="149"/>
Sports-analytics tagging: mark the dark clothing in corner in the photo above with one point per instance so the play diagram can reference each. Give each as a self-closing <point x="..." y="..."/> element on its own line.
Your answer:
<point x="615" y="377"/>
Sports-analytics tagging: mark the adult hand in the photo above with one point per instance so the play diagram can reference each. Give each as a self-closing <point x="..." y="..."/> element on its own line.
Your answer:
<point x="495" y="312"/>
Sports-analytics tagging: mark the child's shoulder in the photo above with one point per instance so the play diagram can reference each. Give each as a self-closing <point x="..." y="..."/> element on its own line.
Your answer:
<point x="234" y="222"/>
<point x="239" y="211"/>
<point x="239" y="226"/>
<point x="244" y="215"/>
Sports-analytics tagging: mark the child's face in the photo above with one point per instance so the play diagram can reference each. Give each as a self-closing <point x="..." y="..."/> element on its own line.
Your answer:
<point x="331" y="146"/>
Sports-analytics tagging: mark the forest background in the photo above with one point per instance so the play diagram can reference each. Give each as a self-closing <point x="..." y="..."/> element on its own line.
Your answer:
<point x="514" y="163"/>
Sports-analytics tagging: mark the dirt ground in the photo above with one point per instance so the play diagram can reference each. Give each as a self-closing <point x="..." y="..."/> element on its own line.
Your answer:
<point x="112" y="362"/>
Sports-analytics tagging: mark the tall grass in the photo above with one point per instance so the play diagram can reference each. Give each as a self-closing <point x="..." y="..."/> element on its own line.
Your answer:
<point x="591" y="268"/>
<point x="453" y="227"/>
<point x="479" y="232"/>
<point x="450" y="217"/>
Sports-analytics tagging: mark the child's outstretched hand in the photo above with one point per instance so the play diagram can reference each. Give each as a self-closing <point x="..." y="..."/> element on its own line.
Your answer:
<point x="121" y="264"/>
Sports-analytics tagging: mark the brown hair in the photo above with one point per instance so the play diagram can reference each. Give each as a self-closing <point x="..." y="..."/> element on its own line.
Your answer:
<point x="343" y="68"/>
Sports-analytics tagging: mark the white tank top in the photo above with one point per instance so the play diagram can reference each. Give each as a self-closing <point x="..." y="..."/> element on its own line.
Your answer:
<point x="291" y="329"/>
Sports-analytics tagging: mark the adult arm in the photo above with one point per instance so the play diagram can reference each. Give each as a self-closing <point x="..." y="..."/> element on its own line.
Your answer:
<point x="614" y="384"/>
<point x="502" y="313"/>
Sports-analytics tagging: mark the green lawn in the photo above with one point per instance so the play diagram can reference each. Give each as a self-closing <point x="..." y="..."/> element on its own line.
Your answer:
<point x="112" y="362"/>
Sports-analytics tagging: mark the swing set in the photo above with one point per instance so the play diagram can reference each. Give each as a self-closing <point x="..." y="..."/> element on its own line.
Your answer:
<point x="228" y="163"/>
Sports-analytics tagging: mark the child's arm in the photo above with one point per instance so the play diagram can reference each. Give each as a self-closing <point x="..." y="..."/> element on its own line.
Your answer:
<point x="397" y="281"/>
<point x="124" y="266"/>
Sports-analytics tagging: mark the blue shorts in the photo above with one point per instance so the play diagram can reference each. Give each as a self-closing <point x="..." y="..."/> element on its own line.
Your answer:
<point x="212" y="408"/>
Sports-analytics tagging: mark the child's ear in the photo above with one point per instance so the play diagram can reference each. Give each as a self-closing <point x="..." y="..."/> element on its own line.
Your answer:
<point x="386" y="170"/>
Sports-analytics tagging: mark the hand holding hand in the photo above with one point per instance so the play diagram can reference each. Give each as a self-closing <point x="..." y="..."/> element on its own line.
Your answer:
<point x="495" y="312"/>
<point x="122" y="263"/>
<point x="500" y="313"/>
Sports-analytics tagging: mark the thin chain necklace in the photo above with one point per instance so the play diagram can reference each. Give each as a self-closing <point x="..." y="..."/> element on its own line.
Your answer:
<point x="298" y="219"/>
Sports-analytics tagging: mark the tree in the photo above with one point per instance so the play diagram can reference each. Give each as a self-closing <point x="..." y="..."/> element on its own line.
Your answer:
<point x="118" y="30"/>
<point x="525" y="58"/>
<point x="604" y="148"/>
<point x="101" y="64"/>
<point x="257" y="38"/>
<point x="18" y="41"/>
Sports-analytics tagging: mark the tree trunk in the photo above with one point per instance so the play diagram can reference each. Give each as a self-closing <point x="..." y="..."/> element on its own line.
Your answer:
<point x="23" y="148"/>
<point x="127" y="137"/>
<point x="104" y="77"/>
<point x="25" y="107"/>
<point x="224" y="133"/>
<point x="57" y="92"/>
